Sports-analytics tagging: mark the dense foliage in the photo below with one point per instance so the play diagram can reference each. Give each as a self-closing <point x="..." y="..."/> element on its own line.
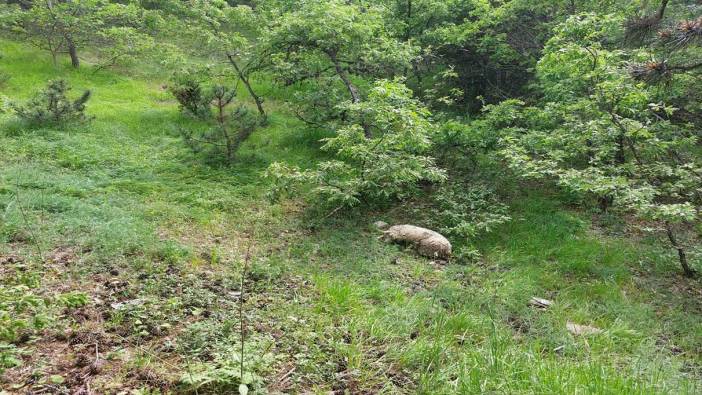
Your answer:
<point x="116" y="31"/>
<point x="386" y="160"/>
<point x="601" y="132"/>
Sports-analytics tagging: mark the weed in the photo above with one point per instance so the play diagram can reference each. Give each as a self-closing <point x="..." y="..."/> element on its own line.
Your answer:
<point x="73" y="300"/>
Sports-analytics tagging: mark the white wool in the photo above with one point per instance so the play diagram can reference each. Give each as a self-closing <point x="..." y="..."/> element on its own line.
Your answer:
<point x="427" y="242"/>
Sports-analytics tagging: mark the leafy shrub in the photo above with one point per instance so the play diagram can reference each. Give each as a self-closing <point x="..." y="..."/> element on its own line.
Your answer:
<point x="461" y="212"/>
<point x="218" y="343"/>
<point x="140" y="317"/>
<point x="466" y="211"/>
<point x="9" y="357"/>
<point x="383" y="156"/>
<point x="52" y="106"/>
<point x="223" y="375"/>
<point x="21" y="313"/>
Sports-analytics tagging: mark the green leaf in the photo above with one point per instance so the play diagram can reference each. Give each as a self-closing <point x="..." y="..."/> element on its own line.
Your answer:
<point x="56" y="379"/>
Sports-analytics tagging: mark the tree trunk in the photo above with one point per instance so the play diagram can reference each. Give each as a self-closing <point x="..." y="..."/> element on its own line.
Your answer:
<point x="408" y="29"/>
<point x="344" y="75"/>
<point x="605" y="203"/>
<point x="681" y="252"/>
<point x="620" y="156"/>
<point x="661" y="10"/>
<point x="72" y="52"/>
<point x="420" y="81"/>
<point x="245" y="80"/>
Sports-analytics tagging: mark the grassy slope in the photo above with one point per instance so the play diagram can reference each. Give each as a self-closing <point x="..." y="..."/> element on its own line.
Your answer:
<point x="122" y="212"/>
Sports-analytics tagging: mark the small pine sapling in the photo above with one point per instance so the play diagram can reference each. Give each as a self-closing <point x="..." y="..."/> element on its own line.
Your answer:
<point x="52" y="107"/>
<point x="226" y="129"/>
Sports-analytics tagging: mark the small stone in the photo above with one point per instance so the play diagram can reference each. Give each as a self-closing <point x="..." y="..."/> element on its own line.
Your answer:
<point x="235" y="294"/>
<point x="583" y="330"/>
<point x="540" y="302"/>
<point x="122" y="305"/>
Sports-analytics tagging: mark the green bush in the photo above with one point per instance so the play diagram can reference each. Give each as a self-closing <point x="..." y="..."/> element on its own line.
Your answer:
<point x="73" y="300"/>
<point x="384" y="155"/>
<point x="21" y="313"/>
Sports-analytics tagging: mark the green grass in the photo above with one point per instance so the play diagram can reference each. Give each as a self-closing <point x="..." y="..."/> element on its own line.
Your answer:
<point x="141" y="246"/>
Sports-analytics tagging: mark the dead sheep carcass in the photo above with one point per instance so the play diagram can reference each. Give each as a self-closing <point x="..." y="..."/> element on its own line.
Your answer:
<point x="427" y="242"/>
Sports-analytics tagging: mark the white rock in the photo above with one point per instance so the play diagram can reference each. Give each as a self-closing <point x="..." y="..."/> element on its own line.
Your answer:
<point x="583" y="330"/>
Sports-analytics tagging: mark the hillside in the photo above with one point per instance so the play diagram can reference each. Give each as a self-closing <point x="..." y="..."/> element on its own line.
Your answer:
<point x="122" y="255"/>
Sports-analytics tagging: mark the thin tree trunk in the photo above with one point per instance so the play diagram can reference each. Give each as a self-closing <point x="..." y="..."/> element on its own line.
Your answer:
<point x="408" y="17"/>
<point x="223" y="126"/>
<point x="420" y="81"/>
<point x="344" y="75"/>
<point x="681" y="252"/>
<point x="72" y="52"/>
<point x="353" y="91"/>
<point x="661" y="10"/>
<point x="245" y="80"/>
<point x="620" y="156"/>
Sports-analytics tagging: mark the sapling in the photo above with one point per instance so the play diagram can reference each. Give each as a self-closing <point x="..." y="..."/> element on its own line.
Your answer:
<point x="227" y="129"/>
<point x="52" y="107"/>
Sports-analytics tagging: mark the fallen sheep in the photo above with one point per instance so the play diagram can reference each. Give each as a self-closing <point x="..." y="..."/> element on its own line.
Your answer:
<point x="427" y="242"/>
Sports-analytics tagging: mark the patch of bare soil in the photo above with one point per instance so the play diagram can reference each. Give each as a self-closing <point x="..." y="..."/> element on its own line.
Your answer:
<point x="72" y="361"/>
<point x="78" y="355"/>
